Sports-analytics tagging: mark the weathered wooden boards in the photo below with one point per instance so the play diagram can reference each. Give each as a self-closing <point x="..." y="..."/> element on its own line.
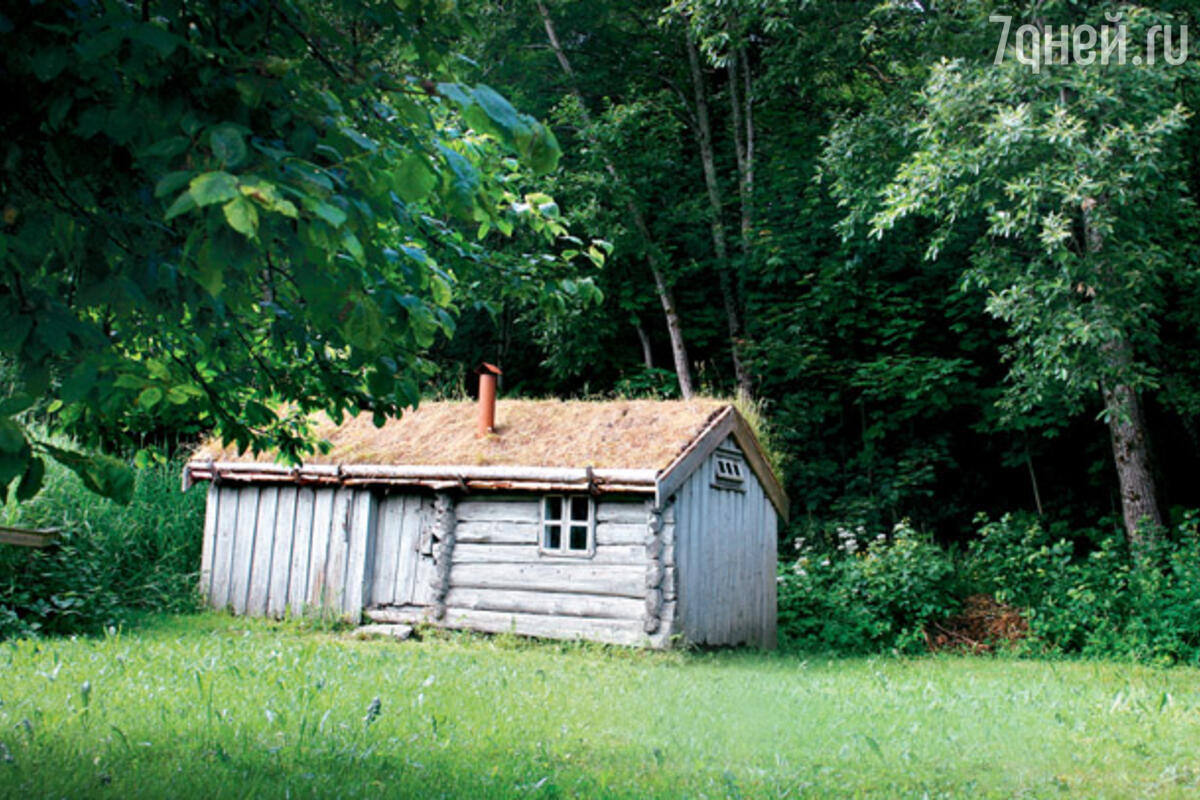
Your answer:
<point x="611" y="631"/>
<point x="725" y="561"/>
<point x="499" y="581"/>
<point x="703" y="566"/>
<point x="272" y="549"/>
<point x="28" y="537"/>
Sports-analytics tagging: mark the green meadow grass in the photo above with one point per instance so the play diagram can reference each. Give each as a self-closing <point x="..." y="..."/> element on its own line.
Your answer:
<point x="210" y="706"/>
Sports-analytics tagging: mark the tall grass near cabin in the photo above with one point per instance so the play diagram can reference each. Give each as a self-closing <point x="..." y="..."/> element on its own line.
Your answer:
<point x="112" y="562"/>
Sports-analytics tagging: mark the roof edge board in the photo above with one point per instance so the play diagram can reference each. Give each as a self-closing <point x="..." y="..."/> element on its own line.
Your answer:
<point x="762" y="467"/>
<point x="728" y="422"/>
<point x="431" y="472"/>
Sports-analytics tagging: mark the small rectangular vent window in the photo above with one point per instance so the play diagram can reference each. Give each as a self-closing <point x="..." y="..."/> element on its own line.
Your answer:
<point x="730" y="473"/>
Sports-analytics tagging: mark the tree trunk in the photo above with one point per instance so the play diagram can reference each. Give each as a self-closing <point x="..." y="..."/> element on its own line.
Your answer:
<point x="716" y="212"/>
<point x="1126" y="423"/>
<point x="1131" y="453"/>
<point x="644" y="338"/>
<point x="666" y="294"/>
<point x="741" y="104"/>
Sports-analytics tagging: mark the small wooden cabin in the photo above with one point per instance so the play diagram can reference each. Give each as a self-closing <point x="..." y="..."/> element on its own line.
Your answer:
<point x="630" y="522"/>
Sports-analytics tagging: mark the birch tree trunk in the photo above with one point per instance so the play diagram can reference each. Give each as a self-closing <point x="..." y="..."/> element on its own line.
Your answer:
<point x="1126" y="422"/>
<point x="716" y="213"/>
<point x="644" y="338"/>
<point x="666" y="295"/>
<point x="742" y="107"/>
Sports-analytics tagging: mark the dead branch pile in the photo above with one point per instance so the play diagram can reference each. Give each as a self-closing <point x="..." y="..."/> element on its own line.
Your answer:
<point x="984" y="625"/>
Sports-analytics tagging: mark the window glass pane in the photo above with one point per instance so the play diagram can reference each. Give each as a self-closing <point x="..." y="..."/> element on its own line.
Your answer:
<point x="579" y="509"/>
<point x="551" y="537"/>
<point x="579" y="537"/>
<point x="553" y="508"/>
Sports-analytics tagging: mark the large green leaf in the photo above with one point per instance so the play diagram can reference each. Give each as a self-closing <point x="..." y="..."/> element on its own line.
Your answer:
<point x="172" y="182"/>
<point x="241" y="216"/>
<point x="14" y="331"/>
<point x="15" y="403"/>
<point x="364" y="325"/>
<point x="183" y="204"/>
<point x="11" y="466"/>
<point x="103" y="474"/>
<point x="14" y="452"/>
<point x="462" y="181"/>
<point x="504" y="118"/>
<point x="31" y="479"/>
<point x="228" y="145"/>
<point x="415" y="179"/>
<point x="11" y="437"/>
<point x="213" y="187"/>
<point x="326" y="211"/>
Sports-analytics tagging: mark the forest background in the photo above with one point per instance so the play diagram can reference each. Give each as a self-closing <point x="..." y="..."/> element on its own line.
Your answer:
<point x="959" y="288"/>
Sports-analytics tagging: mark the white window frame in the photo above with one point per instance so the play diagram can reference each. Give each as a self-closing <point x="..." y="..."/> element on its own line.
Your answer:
<point x="564" y="525"/>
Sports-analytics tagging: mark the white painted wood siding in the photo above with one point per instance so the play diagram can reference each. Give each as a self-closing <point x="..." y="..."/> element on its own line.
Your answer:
<point x="725" y="553"/>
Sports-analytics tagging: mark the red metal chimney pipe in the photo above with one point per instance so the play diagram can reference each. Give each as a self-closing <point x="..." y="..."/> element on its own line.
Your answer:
<point x="487" y="398"/>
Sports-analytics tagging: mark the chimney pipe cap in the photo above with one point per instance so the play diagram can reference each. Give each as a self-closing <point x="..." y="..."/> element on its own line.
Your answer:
<point x="485" y="368"/>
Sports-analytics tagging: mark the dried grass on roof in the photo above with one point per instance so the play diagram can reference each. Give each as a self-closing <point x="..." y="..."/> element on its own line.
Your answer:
<point x="616" y="434"/>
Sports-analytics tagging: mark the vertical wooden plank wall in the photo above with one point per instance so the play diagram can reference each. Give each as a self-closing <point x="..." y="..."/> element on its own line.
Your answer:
<point x="211" y="509"/>
<point x="281" y="556"/>
<point x="243" y="549"/>
<point x="387" y="553"/>
<point x="315" y="593"/>
<point x="223" y="539"/>
<point x="263" y="548"/>
<point x="725" y="548"/>
<point x="271" y="549"/>
<point x="407" y="532"/>
<point x="297" y="590"/>
<point x="397" y="567"/>
<point x="426" y="578"/>
<point x="360" y="524"/>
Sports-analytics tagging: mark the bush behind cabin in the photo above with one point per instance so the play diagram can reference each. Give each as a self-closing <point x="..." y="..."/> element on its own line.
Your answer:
<point x="112" y="561"/>
<point x="1081" y="591"/>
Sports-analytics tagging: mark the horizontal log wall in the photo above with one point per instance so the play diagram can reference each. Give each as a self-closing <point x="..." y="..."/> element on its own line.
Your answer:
<point x="500" y="582"/>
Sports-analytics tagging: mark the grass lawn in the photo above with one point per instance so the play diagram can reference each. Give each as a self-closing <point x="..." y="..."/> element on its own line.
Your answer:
<point x="210" y="706"/>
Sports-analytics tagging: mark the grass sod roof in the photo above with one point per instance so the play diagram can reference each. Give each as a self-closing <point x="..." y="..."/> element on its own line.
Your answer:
<point x="614" y="434"/>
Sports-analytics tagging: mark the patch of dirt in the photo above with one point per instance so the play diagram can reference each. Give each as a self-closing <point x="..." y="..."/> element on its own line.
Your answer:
<point x="984" y="626"/>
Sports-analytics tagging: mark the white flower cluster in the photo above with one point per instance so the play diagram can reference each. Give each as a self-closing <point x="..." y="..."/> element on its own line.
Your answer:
<point x="848" y="540"/>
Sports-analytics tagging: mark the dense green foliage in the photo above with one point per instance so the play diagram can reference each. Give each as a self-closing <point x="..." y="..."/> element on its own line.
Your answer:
<point x="215" y="707"/>
<point x="113" y="562"/>
<point x="937" y="275"/>
<point x="952" y="366"/>
<point x="1086" y="595"/>
<point x="1080" y="592"/>
<point x="314" y="197"/>
<point x="866" y="594"/>
<point x="210" y="210"/>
